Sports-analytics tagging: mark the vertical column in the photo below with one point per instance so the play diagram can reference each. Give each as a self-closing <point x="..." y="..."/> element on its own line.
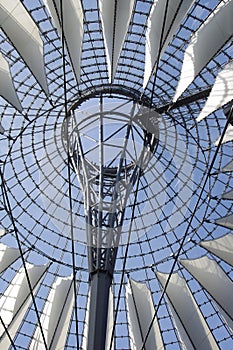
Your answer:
<point x="98" y="314"/>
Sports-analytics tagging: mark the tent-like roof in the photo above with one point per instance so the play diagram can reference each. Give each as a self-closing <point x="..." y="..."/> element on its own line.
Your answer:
<point x="167" y="66"/>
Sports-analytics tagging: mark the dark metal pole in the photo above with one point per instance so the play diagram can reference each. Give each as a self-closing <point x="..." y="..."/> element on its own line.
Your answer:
<point x="98" y="312"/>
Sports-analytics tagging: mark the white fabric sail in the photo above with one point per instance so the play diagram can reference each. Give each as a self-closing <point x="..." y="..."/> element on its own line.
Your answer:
<point x="7" y="89"/>
<point x="226" y="221"/>
<point x="191" y="325"/>
<point x="221" y="247"/>
<point x="141" y="311"/>
<point x="221" y="93"/>
<point x="115" y="18"/>
<point x="228" y="195"/>
<point x="7" y="256"/>
<point x="110" y="324"/>
<point x="2" y="231"/>
<point x="176" y="11"/>
<point x="24" y="34"/>
<point x="227" y="137"/>
<point x="212" y="277"/>
<point x="16" y="299"/>
<point x="73" y="29"/>
<point x="56" y="316"/>
<point x="216" y="30"/>
<point x="228" y="167"/>
<point x="182" y="334"/>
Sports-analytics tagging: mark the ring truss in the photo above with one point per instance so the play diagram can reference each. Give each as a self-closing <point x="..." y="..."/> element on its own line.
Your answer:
<point x="69" y="63"/>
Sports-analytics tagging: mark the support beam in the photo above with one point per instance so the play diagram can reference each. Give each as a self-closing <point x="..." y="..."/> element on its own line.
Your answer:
<point x="200" y="95"/>
<point x="98" y="316"/>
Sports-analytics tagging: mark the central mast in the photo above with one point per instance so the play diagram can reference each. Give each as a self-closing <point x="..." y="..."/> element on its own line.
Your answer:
<point x="107" y="168"/>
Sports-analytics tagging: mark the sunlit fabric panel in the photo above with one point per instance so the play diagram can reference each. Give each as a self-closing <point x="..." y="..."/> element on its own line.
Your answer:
<point x="24" y="34"/>
<point x="227" y="195"/>
<point x="228" y="167"/>
<point x="7" y="256"/>
<point x="7" y="89"/>
<point x="72" y="23"/>
<point x="2" y="231"/>
<point x="56" y="316"/>
<point x="228" y="136"/>
<point x="212" y="277"/>
<point x="186" y="343"/>
<point x="115" y="18"/>
<point x="109" y="326"/>
<point x="221" y="93"/>
<point x="85" y="327"/>
<point x="163" y="22"/>
<point x="16" y="300"/>
<point x="226" y="221"/>
<point x="141" y="311"/>
<point x="221" y="247"/>
<point x="205" y="43"/>
<point x="191" y="324"/>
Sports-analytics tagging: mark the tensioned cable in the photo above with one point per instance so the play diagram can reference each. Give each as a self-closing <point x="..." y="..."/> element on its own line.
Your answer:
<point x="55" y="48"/>
<point x="128" y="244"/>
<point x="136" y="309"/>
<point x="125" y="257"/>
<point x="8" y="334"/>
<point x="140" y="34"/>
<point x="138" y="180"/>
<point x="160" y="50"/>
<point x="93" y="48"/>
<point x="188" y="226"/>
<point x="161" y="43"/>
<point x="184" y="42"/>
<point x="60" y="315"/>
<point x="212" y="302"/>
<point x="69" y="177"/>
<point x="22" y="257"/>
<point x="113" y="35"/>
<point x="46" y="297"/>
<point x="4" y="163"/>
